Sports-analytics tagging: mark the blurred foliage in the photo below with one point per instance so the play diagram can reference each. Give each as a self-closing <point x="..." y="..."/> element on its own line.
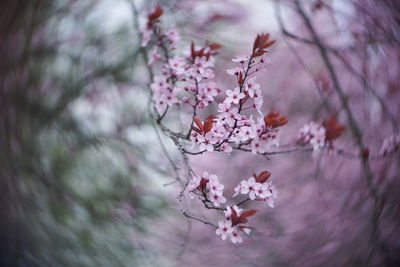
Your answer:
<point x="68" y="195"/>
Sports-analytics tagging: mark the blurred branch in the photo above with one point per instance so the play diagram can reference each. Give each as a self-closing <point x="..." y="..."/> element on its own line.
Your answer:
<point x="351" y="120"/>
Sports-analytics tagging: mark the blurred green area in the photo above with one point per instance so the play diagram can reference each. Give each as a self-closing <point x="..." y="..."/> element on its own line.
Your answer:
<point x="72" y="187"/>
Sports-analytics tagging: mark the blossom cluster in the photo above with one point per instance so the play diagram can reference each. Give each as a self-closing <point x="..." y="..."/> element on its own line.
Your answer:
<point x="390" y="144"/>
<point x="191" y="73"/>
<point x="233" y="226"/>
<point x="230" y="128"/>
<point x="314" y="134"/>
<point x="209" y="187"/>
<point x="258" y="188"/>
<point x="320" y="135"/>
<point x="188" y="80"/>
<point x="239" y="123"/>
<point x="210" y="190"/>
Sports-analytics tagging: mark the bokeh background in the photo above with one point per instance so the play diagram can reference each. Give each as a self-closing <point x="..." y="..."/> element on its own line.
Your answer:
<point x="85" y="174"/>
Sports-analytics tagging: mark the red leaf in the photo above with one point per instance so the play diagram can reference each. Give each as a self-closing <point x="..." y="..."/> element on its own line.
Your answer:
<point x="214" y="46"/>
<point x="274" y="119"/>
<point x="256" y="41"/>
<point x="203" y="184"/>
<point x="234" y="217"/>
<point x="259" y="52"/>
<point x="208" y="123"/>
<point x="243" y="217"/>
<point x="248" y="213"/>
<point x="199" y="123"/>
<point x="270" y="43"/>
<point x="365" y="153"/>
<point x="263" y="176"/>
<point x="260" y="43"/>
<point x="240" y="79"/>
<point x="242" y="220"/>
<point x="157" y="12"/>
<point x="210" y="117"/>
<point x="197" y="130"/>
<point x="333" y="128"/>
<point x="192" y="50"/>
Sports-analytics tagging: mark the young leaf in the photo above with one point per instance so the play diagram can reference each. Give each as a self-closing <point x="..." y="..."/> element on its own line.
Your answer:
<point x="198" y="123"/>
<point x="263" y="177"/>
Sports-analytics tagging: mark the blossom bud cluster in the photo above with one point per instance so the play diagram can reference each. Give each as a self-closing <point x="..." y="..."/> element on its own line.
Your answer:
<point x="391" y="144"/>
<point x="230" y="229"/>
<point x="258" y="191"/>
<point x="231" y="128"/>
<point x="207" y="186"/>
<point x="209" y="189"/>
<point x="314" y="134"/>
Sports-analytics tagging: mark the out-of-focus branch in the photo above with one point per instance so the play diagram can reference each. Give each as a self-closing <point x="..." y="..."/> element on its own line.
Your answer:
<point x="339" y="90"/>
<point x="278" y="14"/>
<point x="336" y="53"/>
<point x="352" y="123"/>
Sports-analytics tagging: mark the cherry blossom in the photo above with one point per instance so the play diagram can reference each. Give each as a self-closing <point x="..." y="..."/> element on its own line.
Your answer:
<point x="241" y="59"/>
<point x="235" y="236"/>
<point x="224" y="229"/>
<point x="252" y="87"/>
<point x="238" y="123"/>
<point x="217" y="198"/>
<point x="250" y="187"/>
<point x="274" y="194"/>
<point x="172" y="35"/>
<point x="146" y="35"/>
<point x="258" y="188"/>
<point x="234" y="71"/>
<point x="177" y="65"/>
<point x="234" y="96"/>
<point x="390" y="144"/>
<point x="226" y="148"/>
<point x="228" y="211"/>
<point x="209" y="186"/>
<point x="193" y="185"/>
<point x="154" y="56"/>
<point x="314" y="134"/>
<point x="207" y="142"/>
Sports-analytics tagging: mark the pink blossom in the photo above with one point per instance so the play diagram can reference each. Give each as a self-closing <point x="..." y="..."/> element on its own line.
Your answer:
<point x="224" y="229"/>
<point x="251" y="86"/>
<point x="235" y="236"/>
<point x="228" y="211"/>
<point x="250" y="187"/>
<point x="172" y="35"/>
<point x="177" y="65"/>
<point x="146" y="35"/>
<point x="314" y="134"/>
<point x="264" y="191"/>
<point x="241" y="59"/>
<point x="390" y="144"/>
<point x="234" y="96"/>
<point x="234" y="71"/>
<point x="154" y="56"/>
<point x="217" y="198"/>
<point x="226" y="148"/>
<point x="207" y="142"/>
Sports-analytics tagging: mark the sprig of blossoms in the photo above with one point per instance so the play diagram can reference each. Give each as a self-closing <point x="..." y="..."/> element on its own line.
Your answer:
<point x="192" y="73"/>
<point x="230" y="128"/>
<point x="258" y="188"/>
<point x="234" y="225"/>
<point x="390" y="144"/>
<point x="209" y="187"/>
<point x="188" y="80"/>
<point x="320" y="135"/>
<point x="314" y="134"/>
